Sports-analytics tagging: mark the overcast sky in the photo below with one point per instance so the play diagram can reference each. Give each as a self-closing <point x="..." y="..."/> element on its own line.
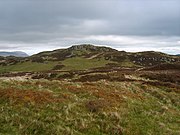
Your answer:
<point x="131" y="25"/>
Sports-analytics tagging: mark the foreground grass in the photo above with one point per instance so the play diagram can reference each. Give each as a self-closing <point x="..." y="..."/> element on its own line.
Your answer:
<point x="96" y="108"/>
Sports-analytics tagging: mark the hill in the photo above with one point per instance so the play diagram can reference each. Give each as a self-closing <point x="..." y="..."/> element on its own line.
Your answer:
<point x="83" y="57"/>
<point x="16" y="54"/>
<point x="86" y="51"/>
<point x="148" y="58"/>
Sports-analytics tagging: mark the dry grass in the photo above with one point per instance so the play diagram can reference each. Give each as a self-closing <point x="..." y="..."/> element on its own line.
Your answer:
<point x="28" y="96"/>
<point x="97" y="107"/>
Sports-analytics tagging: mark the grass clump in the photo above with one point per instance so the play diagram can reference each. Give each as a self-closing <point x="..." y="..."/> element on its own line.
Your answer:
<point x="75" y="108"/>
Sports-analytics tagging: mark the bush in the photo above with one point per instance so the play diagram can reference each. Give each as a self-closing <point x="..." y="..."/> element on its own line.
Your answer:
<point x="58" y="67"/>
<point x="37" y="59"/>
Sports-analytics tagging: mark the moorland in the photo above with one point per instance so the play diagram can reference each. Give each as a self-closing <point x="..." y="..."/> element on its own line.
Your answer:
<point x="90" y="90"/>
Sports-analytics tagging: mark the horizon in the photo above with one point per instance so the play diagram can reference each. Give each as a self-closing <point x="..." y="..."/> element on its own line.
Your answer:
<point x="90" y="67"/>
<point x="132" y="26"/>
<point x="86" y="44"/>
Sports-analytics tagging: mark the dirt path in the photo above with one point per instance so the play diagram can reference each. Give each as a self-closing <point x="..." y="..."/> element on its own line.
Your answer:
<point x="94" y="56"/>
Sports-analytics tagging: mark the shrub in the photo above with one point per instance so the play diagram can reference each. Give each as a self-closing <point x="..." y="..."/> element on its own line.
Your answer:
<point x="58" y="67"/>
<point x="37" y="59"/>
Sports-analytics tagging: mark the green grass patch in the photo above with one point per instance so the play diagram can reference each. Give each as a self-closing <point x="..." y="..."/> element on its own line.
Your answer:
<point x="79" y="63"/>
<point x="28" y="66"/>
<point x="127" y="63"/>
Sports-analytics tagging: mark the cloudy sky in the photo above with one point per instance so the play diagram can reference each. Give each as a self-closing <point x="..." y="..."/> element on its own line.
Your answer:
<point x="131" y="25"/>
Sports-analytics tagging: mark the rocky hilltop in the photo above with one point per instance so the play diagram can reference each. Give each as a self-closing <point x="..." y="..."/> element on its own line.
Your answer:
<point x="148" y="58"/>
<point x="86" y="56"/>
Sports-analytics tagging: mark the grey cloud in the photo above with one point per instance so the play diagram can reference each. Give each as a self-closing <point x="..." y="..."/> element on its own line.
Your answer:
<point x="32" y="22"/>
<point x="165" y="44"/>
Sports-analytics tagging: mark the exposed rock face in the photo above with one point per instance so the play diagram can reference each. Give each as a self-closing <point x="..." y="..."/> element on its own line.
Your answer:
<point x="92" y="48"/>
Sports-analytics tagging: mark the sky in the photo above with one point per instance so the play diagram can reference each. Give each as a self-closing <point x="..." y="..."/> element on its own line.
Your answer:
<point x="131" y="25"/>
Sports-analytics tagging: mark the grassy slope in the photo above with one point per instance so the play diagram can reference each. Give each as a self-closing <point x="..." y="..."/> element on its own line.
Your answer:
<point x="79" y="63"/>
<point x="75" y="63"/>
<point x="28" y="66"/>
<point x="128" y="63"/>
<point x="99" y="108"/>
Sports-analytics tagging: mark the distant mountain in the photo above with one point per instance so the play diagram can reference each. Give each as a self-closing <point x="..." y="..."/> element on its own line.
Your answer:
<point x="178" y="55"/>
<point x="16" y="53"/>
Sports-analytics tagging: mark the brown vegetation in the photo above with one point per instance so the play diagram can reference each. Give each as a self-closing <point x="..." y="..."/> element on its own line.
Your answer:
<point x="28" y="96"/>
<point x="164" y="77"/>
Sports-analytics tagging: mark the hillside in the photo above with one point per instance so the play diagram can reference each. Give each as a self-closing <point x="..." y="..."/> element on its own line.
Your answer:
<point x="85" y="51"/>
<point x="82" y="57"/>
<point x="148" y="58"/>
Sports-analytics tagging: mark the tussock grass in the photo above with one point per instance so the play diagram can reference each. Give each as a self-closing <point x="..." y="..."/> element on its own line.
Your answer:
<point x="85" y="108"/>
